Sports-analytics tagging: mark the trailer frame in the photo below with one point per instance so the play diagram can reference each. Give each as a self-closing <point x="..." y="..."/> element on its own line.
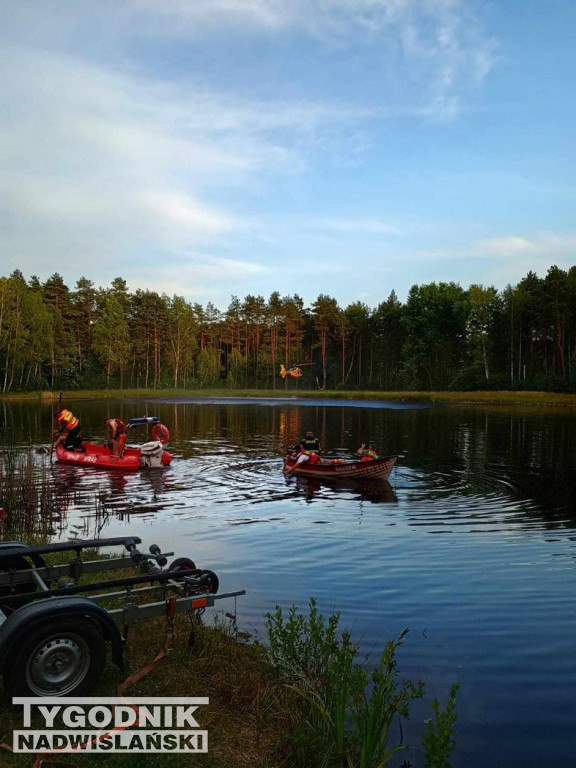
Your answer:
<point x="54" y="629"/>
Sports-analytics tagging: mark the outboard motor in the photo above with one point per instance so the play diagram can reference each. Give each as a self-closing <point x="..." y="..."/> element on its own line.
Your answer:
<point x="151" y="454"/>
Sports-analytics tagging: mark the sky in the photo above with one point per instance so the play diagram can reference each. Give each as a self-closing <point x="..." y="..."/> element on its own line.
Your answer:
<point x="219" y="148"/>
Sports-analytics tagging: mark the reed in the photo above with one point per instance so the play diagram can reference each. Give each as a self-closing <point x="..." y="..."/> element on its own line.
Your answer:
<point x="28" y="496"/>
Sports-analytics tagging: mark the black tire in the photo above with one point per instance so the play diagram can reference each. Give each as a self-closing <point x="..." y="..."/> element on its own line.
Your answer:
<point x="182" y="564"/>
<point x="209" y="582"/>
<point x="61" y="657"/>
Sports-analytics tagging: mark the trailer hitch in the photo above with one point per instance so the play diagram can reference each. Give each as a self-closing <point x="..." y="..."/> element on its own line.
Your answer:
<point x="149" y="562"/>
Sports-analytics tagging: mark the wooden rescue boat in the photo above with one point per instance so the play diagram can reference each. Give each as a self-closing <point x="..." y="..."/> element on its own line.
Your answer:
<point x="372" y="469"/>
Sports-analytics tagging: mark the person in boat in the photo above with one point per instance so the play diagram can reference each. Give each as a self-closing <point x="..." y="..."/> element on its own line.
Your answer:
<point x="116" y="435"/>
<point x="310" y="443"/>
<point x="307" y="452"/>
<point x="367" y="453"/>
<point x="68" y="431"/>
<point x="299" y="455"/>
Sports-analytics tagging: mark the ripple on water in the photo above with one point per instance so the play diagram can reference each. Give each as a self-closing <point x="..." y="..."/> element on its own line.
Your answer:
<point x="471" y="545"/>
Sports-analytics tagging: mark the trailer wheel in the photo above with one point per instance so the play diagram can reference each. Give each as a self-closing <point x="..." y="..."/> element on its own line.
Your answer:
<point x="209" y="582"/>
<point x="182" y="564"/>
<point x="62" y="657"/>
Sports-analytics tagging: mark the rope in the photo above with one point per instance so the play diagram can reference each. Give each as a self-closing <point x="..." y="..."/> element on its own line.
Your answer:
<point x="130" y="680"/>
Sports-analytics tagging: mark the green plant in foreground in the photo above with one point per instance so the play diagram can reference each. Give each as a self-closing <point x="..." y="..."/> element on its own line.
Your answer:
<point x="438" y="740"/>
<point x="347" y="712"/>
<point x="301" y="644"/>
<point x="374" y="713"/>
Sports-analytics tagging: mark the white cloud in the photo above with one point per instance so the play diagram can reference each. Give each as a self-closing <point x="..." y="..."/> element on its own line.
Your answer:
<point x="175" y="209"/>
<point x="510" y="254"/>
<point x="358" y="226"/>
<point x="112" y="161"/>
<point x="195" y="276"/>
<point x="504" y="246"/>
<point x="545" y="245"/>
<point x="440" y="43"/>
<point x="104" y="162"/>
<point x="514" y="256"/>
<point x="438" y="48"/>
<point x="214" y="113"/>
<point x="90" y="154"/>
<point x="184" y="17"/>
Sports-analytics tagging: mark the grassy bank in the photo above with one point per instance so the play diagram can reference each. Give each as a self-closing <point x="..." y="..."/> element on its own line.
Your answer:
<point x="505" y="397"/>
<point x="246" y="716"/>
<point x="301" y="702"/>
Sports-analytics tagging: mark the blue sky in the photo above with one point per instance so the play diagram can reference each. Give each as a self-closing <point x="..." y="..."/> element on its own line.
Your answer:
<point x="210" y="148"/>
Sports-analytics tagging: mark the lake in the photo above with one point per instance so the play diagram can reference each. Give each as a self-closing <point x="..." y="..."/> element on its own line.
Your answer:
<point x="471" y="545"/>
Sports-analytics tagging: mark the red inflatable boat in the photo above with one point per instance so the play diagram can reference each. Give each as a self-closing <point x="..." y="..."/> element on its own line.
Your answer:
<point x="147" y="455"/>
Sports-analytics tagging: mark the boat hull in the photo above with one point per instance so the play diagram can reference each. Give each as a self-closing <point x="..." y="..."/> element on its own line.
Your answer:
<point x="375" y="469"/>
<point x="99" y="456"/>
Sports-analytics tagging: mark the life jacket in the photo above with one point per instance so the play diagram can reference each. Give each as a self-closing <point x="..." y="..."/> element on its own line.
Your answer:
<point x="119" y="450"/>
<point x="371" y="455"/>
<point x="120" y="427"/>
<point x="314" y="458"/>
<point x="68" y="419"/>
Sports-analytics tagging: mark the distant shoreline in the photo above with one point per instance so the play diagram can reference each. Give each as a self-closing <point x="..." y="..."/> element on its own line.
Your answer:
<point x="505" y="397"/>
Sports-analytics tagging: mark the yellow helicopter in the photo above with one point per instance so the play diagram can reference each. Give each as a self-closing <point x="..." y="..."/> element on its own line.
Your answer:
<point x="295" y="371"/>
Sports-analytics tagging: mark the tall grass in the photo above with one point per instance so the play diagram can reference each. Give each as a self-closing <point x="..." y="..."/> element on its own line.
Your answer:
<point x="348" y="711"/>
<point x="31" y="506"/>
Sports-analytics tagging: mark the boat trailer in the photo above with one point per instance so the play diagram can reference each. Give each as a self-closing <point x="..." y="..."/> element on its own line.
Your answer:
<point x="54" y="629"/>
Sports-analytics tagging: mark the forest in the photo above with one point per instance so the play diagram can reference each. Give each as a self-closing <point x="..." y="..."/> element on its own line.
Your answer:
<point x="444" y="337"/>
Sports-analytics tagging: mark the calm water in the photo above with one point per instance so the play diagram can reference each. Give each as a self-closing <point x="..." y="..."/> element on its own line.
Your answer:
<point x="471" y="545"/>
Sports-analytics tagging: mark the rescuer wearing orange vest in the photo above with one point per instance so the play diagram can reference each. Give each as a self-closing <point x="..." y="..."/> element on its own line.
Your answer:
<point x="68" y="431"/>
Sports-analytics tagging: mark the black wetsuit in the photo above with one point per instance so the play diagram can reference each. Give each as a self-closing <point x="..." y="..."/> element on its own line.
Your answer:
<point x="311" y="444"/>
<point x="73" y="439"/>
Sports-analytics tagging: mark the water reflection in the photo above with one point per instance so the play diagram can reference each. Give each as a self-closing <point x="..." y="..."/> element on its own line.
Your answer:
<point x="374" y="491"/>
<point x="480" y="467"/>
<point x="93" y="496"/>
<point x="471" y="539"/>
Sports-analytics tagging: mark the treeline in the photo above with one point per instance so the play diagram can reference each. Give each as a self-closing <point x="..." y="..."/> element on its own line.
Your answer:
<point x="443" y="337"/>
